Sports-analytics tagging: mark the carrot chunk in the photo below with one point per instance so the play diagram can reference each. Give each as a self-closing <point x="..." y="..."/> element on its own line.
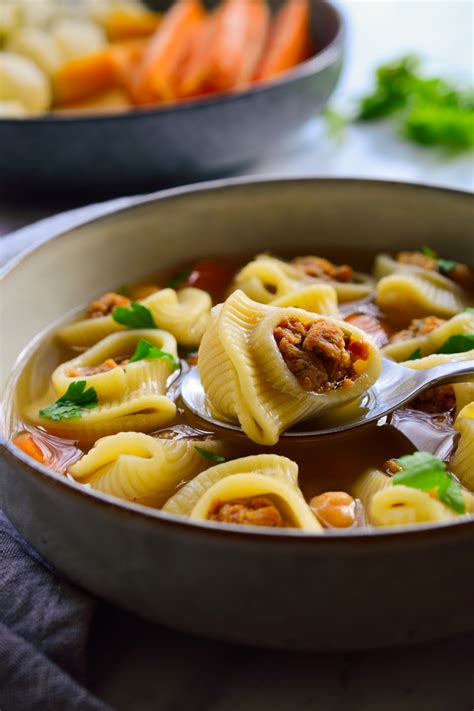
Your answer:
<point x="242" y="27"/>
<point x="27" y="443"/>
<point x="83" y="77"/>
<point x="193" y="73"/>
<point x="154" y="76"/>
<point x="289" y="39"/>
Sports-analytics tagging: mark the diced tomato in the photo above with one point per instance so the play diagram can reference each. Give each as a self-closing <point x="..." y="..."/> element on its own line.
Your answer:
<point x="211" y="276"/>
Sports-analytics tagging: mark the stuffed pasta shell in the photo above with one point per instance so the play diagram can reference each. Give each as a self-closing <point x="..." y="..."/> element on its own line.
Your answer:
<point x="129" y="388"/>
<point x="184" y="313"/>
<point x="260" y="490"/>
<point x="268" y="368"/>
<point x="268" y="278"/>
<point x="140" y="468"/>
<point x="425" y="336"/>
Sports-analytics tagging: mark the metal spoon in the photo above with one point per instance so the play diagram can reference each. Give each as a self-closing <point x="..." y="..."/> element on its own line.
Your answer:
<point x="395" y="386"/>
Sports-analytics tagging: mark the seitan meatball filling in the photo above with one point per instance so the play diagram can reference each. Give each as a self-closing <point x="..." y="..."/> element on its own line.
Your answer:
<point x="320" y="268"/>
<point x="318" y="354"/>
<point x="418" y="259"/>
<point x="106" y="304"/>
<point x="436" y="400"/>
<point x="256" y="511"/>
<point x="418" y="327"/>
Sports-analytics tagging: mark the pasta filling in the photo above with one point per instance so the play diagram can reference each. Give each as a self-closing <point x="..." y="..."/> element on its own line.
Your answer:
<point x="460" y="273"/>
<point x="106" y="304"/>
<point x="319" y="354"/>
<point x="439" y="399"/>
<point x="256" y="511"/>
<point x="418" y="327"/>
<point x="86" y="370"/>
<point x="320" y="268"/>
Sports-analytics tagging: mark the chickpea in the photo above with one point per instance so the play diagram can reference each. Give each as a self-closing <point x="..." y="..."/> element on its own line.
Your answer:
<point x="334" y="509"/>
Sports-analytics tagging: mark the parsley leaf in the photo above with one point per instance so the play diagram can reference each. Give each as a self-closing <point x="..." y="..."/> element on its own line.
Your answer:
<point x="210" y="455"/>
<point x="446" y="265"/>
<point x="469" y="309"/>
<point x="135" y="316"/>
<point x="70" y="405"/>
<point x="178" y="279"/>
<point x="415" y="355"/>
<point x="123" y="290"/>
<point x="459" y="343"/>
<point x="424" y="471"/>
<point x="147" y="351"/>
<point x="430" y="111"/>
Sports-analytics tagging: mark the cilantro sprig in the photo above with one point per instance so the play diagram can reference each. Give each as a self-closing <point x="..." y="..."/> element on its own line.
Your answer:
<point x="135" y="316"/>
<point x="424" y="471"/>
<point x="416" y="355"/>
<point x="70" y="405"/>
<point x="218" y="458"/>
<point x="147" y="351"/>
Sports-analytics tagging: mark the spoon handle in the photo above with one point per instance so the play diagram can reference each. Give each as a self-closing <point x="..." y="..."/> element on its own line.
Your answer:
<point x="445" y="373"/>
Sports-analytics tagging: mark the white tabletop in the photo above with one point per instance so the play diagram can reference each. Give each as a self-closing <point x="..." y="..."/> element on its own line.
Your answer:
<point x="140" y="666"/>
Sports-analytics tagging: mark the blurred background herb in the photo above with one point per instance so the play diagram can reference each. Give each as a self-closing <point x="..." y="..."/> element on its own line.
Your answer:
<point x="427" y="110"/>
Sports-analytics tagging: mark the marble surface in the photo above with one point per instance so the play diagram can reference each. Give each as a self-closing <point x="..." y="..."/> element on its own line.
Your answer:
<point x="137" y="666"/>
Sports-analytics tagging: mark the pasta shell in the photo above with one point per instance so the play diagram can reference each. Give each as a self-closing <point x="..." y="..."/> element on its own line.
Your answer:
<point x="184" y="313"/>
<point x="431" y="342"/>
<point x="246" y="379"/>
<point x="318" y="298"/>
<point x="404" y="297"/>
<point x="268" y="278"/>
<point x="140" y="468"/>
<point x="264" y="474"/>
<point x="402" y="505"/>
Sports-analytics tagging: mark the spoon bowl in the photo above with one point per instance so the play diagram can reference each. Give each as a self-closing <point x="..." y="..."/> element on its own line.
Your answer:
<point x="395" y="386"/>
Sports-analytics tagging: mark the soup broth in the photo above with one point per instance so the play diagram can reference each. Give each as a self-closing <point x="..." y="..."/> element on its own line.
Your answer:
<point x="333" y="463"/>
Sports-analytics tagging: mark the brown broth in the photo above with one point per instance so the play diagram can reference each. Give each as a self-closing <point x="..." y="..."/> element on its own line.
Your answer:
<point x="330" y="463"/>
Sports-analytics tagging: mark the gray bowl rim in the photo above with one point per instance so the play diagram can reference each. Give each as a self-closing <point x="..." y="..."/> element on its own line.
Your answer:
<point x="418" y="533"/>
<point x="315" y="64"/>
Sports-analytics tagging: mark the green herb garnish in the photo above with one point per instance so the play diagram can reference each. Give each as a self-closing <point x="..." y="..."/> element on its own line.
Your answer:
<point x="336" y="124"/>
<point x="424" y="471"/>
<point x="444" y="265"/>
<point x="415" y="355"/>
<point x="70" y="405"/>
<point x="178" y="279"/>
<point x="135" y="316"/>
<point x="469" y="309"/>
<point x="428" y="252"/>
<point x="210" y="455"/>
<point x="430" y="111"/>
<point x="147" y="351"/>
<point x="123" y="290"/>
<point x="459" y="343"/>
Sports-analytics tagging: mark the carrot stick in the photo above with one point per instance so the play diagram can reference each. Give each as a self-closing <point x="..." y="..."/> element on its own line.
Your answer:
<point x="27" y="443"/>
<point x="193" y="73"/>
<point x="126" y="57"/>
<point x="153" y="80"/>
<point x="85" y="76"/>
<point x="288" y="41"/>
<point x="242" y="27"/>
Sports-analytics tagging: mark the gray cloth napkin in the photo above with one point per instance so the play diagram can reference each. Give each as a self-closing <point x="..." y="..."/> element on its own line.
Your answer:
<point x="44" y="629"/>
